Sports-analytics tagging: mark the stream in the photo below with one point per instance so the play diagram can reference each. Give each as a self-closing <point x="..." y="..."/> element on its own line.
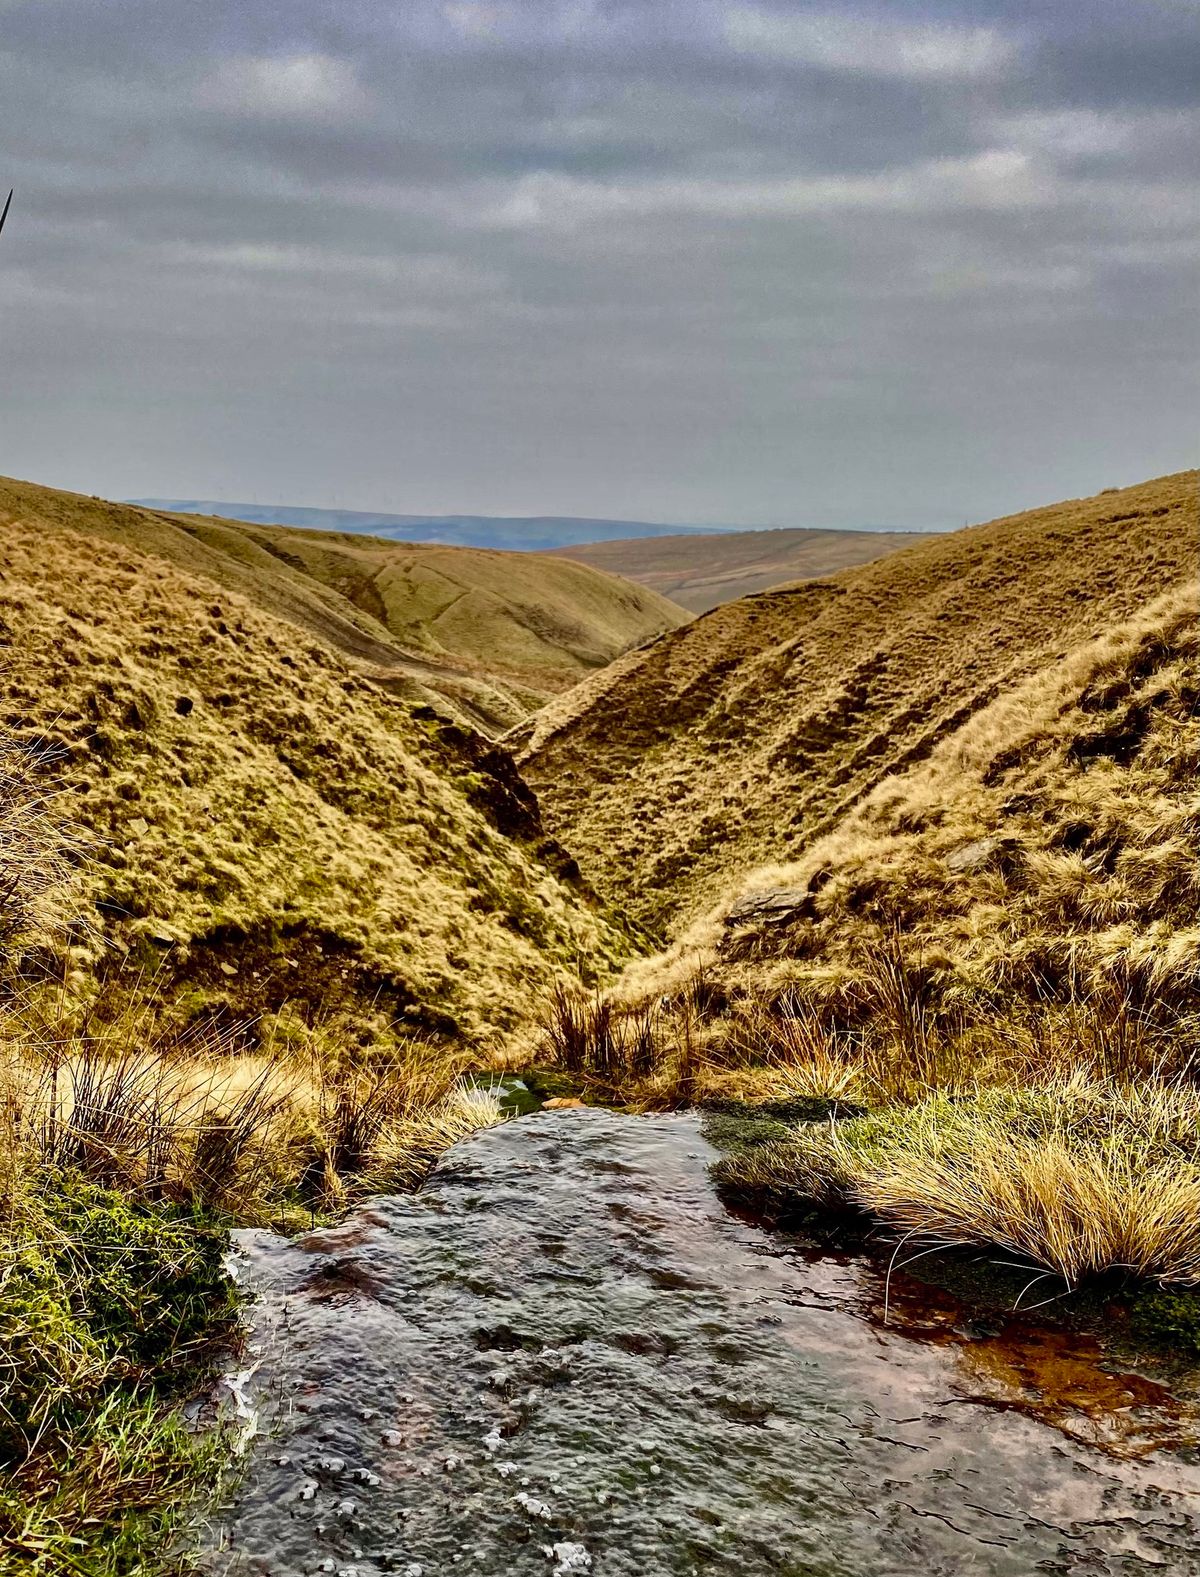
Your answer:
<point x="565" y="1355"/>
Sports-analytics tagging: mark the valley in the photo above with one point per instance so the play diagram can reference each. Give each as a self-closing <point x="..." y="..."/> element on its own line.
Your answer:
<point x="860" y="912"/>
<point x="487" y="636"/>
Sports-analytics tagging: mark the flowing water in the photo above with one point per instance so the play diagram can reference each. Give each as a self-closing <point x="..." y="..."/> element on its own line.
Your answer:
<point x="565" y="1355"/>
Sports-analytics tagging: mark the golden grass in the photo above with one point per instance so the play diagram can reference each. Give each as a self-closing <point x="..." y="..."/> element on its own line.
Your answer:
<point x="270" y="831"/>
<point x="254" y="1137"/>
<point x="1074" y="1177"/>
<point x="739" y="740"/>
<point x="486" y="637"/>
<point x="1043" y="853"/>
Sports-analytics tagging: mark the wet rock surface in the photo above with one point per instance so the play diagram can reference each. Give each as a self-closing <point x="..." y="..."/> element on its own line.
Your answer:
<point x="566" y="1356"/>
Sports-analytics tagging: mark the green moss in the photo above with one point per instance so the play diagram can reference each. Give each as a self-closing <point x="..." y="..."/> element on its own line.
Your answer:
<point x="1168" y="1317"/>
<point x="110" y="1311"/>
<point x="738" y="1132"/>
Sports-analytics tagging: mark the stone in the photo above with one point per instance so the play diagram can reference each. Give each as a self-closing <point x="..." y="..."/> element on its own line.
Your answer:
<point x="981" y="854"/>
<point x="777" y="906"/>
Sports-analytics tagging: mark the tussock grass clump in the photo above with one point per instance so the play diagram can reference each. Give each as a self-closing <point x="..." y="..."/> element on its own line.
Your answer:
<point x="644" y="1056"/>
<point x="1073" y="1178"/>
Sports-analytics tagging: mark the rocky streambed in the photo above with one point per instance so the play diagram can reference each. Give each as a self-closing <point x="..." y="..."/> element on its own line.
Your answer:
<point x="566" y="1355"/>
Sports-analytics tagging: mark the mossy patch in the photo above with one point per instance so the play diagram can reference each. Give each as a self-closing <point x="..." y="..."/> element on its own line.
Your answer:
<point x="1168" y="1317"/>
<point x="109" y="1311"/>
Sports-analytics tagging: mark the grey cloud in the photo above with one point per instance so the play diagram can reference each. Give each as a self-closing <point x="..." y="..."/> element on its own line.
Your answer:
<point x="759" y="261"/>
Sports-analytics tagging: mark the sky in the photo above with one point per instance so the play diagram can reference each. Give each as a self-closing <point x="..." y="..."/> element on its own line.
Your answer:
<point x="766" y="263"/>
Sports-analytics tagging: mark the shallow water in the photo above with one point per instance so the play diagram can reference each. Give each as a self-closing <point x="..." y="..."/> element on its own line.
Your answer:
<point x="566" y="1355"/>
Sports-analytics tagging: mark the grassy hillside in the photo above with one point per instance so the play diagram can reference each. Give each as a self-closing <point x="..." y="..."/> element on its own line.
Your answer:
<point x="701" y="573"/>
<point x="953" y="945"/>
<point x="533" y="625"/>
<point x="487" y="636"/>
<point x="1046" y="847"/>
<point x="268" y="826"/>
<point x="989" y="970"/>
<point x="740" y="739"/>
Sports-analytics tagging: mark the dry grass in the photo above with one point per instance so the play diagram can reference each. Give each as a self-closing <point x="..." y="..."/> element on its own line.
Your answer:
<point x="270" y="830"/>
<point x="486" y="637"/>
<point x="739" y="740"/>
<point x="646" y="1057"/>
<point x="249" y="1137"/>
<point x="1074" y="1177"/>
<point x="1044" y="853"/>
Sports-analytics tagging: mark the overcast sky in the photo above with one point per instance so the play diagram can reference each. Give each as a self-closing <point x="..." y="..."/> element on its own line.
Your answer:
<point x="903" y="264"/>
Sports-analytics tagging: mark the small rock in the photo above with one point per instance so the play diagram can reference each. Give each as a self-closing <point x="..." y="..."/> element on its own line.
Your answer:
<point x="981" y="854"/>
<point x="563" y="1103"/>
<point x="778" y="906"/>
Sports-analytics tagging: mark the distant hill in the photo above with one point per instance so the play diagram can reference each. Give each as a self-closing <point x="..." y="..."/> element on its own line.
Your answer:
<point x="702" y="572"/>
<point x="739" y="740"/>
<point x="485" y="635"/>
<point x="519" y="534"/>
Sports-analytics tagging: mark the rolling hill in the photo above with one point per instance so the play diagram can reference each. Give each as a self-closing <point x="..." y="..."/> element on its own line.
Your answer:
<point x="488" y="636"/>
<point x="739" y="740"/>
<point x="270" y="833"/>
<point x="700" y="573"/>
<point x="514" y="533"/>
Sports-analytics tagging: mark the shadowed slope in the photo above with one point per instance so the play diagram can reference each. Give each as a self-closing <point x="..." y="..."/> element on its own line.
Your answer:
<point x="739" y="739"/>
<point x="267" y="825"/>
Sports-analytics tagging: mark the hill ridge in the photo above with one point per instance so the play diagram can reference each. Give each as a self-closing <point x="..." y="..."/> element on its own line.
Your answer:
<point x="728" y="741"/>
<point x="520" y="637"/>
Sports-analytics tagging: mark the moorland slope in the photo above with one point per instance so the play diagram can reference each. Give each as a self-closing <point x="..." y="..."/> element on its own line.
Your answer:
<point x="701" y="573"/>
<point x="486" y="636"/>
<point x="267" y="827"/>
<point x="740" y="739"/>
